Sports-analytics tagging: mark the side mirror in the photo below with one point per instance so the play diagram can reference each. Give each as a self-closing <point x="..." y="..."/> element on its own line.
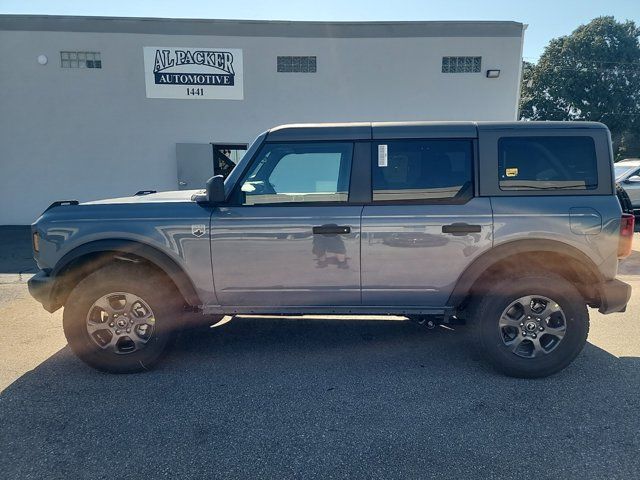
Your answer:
<point x="215" y="189"/>
<point x="633" y="179"/>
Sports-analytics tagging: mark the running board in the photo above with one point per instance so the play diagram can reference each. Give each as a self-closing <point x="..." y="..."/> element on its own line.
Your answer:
<point x="326" y="310"/>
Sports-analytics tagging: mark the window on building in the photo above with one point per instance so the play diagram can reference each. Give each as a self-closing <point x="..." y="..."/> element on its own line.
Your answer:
<point x="297" y="64"/>
<point x="422" y="170"/>
<point x="547" y="163"/>
<point x="80" y="60"/>
<point x="461" y="64"/>
<point x="292" y="173"/>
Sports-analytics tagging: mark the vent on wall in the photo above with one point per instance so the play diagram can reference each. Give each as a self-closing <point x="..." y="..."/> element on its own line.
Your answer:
<point x="80" y="60"/>
<point x="461" y="64"/>
<point x="297" y="64"/>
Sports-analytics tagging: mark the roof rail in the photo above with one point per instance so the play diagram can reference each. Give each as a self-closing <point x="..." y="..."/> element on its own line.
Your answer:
<point x="61" y="203"/>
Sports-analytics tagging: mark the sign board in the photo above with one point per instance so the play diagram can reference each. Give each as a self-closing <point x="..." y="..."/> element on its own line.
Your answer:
<point x="193" y="73"/>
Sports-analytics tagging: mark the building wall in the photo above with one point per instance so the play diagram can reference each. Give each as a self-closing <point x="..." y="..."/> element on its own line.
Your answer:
<point x="92" y="133"/>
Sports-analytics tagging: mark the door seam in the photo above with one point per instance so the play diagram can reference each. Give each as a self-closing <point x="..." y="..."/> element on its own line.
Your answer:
<point x="360" y="251"/>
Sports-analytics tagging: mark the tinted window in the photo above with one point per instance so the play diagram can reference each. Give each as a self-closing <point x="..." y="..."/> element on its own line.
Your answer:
<point x="310" y="172"/>
<point x="547" y="163"/>
<point x="427" y="170"/>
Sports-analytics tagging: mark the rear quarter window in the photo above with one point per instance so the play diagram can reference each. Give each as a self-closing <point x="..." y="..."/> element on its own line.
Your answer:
<point x="547" y="163"/>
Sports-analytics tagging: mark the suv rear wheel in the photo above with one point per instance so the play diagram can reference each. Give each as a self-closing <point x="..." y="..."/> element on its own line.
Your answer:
<point x="122" y="318"/>
<point x="531" y="326"/>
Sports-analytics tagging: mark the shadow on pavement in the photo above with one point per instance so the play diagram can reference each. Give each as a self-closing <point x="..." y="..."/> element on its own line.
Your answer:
<point x="280" y="398"/>
<point x="16" y="255"/>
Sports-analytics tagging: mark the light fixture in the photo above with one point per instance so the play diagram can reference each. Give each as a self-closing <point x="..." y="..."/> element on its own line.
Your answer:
<point x="42" y="59"/>
<point x="493" y="73"/>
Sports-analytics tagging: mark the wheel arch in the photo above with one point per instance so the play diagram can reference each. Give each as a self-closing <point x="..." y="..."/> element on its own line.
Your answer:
<point x="87" y="258"/>
<point x="543" y="255"/>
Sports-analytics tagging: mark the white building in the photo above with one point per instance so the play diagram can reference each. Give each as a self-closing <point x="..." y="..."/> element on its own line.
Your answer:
<point x="95" y="107"/>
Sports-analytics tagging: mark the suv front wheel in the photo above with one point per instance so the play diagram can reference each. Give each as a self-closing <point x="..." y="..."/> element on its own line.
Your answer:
<point x="531" y="326"/>
<point x="122" y="318"/>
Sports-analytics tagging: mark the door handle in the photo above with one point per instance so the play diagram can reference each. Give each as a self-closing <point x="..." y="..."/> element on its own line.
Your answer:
<point x="461" y="229"/>
<point x="331" y="229"/>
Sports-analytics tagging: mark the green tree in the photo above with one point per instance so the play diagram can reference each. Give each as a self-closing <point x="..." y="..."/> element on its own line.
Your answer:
<point x="592" y="74"/>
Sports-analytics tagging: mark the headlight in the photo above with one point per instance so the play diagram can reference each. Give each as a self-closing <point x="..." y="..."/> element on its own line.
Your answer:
<point x="36" y="242"/>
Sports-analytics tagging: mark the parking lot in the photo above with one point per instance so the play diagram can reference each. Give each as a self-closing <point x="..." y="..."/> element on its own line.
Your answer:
<point x="322" y="397"/>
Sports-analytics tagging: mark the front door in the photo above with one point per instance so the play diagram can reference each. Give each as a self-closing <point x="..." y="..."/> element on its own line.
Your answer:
<point x="424" y="225"/>
<point x="288" y="235"/>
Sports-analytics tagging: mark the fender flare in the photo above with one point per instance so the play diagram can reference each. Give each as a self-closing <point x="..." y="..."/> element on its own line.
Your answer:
<point x="147" y="252"/>
<point x="516" y="247"/>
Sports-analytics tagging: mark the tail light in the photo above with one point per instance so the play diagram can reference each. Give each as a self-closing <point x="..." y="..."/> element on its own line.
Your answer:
<point x="627" y="223"/>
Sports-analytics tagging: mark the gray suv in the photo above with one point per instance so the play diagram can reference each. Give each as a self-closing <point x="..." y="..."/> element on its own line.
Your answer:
<point x="514" y="228"/>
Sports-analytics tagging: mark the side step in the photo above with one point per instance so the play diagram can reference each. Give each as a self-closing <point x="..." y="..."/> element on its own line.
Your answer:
<point x="321" y="310"/>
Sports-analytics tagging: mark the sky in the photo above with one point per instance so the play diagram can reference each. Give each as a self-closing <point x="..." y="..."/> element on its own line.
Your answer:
<point x="547" y="19"/>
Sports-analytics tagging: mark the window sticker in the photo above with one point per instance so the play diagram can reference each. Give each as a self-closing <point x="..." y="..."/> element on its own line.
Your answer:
<point x="382" y="155"/>
<point x="512" y="172"/>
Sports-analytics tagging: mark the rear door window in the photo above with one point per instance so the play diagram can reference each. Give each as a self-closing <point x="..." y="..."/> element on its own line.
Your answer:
<point x="422" y="171"/>
<point x="547" y="163"/>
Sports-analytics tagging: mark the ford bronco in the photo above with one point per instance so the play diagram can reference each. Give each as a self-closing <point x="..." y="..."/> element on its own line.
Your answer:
<point x="514" y="228"/>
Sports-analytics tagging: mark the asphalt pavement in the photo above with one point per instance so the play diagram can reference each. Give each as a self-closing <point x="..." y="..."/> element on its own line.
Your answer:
<point x="322" y="397"/>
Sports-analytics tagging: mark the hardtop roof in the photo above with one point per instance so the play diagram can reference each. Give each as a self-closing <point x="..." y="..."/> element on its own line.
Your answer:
<point x="420" y="129"/>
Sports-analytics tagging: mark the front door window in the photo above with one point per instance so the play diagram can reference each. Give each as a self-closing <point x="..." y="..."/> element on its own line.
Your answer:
<point x="298" y="173"/>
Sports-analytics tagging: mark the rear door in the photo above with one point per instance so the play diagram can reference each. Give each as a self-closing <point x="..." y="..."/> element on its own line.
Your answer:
<point x="289" y="236"/>
<point x="424" y="224"/>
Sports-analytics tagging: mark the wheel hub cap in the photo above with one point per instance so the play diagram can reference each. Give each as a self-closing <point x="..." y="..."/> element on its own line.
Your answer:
<point x="532" y="326"/>
<point x="120" y="322"/>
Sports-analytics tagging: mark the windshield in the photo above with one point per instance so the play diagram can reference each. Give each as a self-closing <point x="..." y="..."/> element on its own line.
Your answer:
<point x="621" y="170"/>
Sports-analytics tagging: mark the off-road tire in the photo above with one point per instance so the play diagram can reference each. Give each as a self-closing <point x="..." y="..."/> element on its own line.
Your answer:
<point x="148" y="284"/>
<point x="486" y="311"/>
